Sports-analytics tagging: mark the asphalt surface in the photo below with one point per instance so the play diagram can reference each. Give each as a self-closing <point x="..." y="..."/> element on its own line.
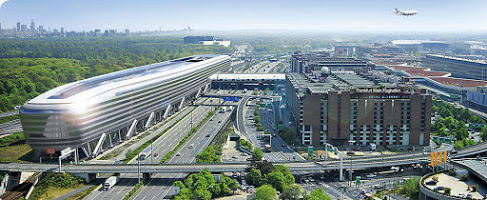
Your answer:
<point x="159" y="186"/>
<point x="11" y="127"/>
<point x="162" y="146"/>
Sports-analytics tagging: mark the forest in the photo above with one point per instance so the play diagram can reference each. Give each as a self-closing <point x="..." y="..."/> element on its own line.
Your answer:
<point x="29" y="67"/>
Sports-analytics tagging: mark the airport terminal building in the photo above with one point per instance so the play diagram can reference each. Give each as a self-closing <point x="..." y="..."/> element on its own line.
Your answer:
<point x="308" y="62"/>
<point x="348" y="107"/>
<point x="99" y="112"/>
<point x="458" y="67"/>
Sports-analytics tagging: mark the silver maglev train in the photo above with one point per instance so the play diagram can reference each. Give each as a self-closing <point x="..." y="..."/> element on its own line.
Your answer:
<point x="97" y="113"/>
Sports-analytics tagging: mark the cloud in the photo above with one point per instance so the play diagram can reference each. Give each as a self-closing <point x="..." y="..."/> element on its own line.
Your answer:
<point x="2" y="1"/>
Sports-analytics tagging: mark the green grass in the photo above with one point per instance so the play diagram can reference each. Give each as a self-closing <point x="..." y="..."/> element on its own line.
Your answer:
<point x="134" y="190"/>
<point x="169" y="154"/>
<point x="14" y="149"/>
<point x="81" y="195"/>
<point x="131" y="154"/>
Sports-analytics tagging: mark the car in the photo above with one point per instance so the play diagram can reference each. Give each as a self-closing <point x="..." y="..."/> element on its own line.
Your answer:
<point x="243" y="154"/>
<point x="370" y="175"/>
<point x="350" y="153"/>
<point x="219" y="121"/>
<point x="274" y="135"/>
<point x="211" y="119"/>
<point x="469" y="196"/>
<point x="283" y="145"/>
<point x="439" y="188"/>
<point x="249" y="159"/>
<point x="461" y="195"/>
<point x="191" y="146"/>
<point x="235" y="156"/>
<point x="431" y="182"/>
<point x="311" y="179"/>
<point x="357" y="149"/>
<point x="208" y="135"/>
<point x="178" y="154"/>
<point x="294" y="157"/>
<point x="306" y="181"/>
<point x="156" y="154"/>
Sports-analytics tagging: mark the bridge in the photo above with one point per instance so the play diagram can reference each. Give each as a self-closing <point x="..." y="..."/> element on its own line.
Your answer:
<point x="474" y="166"/>
<point x="357" y="163"/>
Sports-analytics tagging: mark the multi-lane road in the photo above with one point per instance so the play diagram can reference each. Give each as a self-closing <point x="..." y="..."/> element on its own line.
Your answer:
<point x="162" y="146"/>
<point x="159" y="186"/>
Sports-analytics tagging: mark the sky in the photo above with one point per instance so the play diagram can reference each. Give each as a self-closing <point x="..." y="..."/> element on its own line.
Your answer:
<point x="296" y="15"/>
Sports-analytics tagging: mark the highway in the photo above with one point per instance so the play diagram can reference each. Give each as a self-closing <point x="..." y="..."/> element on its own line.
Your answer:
<point x="6" y="114"/>
<point x="162" y="146"/>
<point x="359" y="163"/>
<point x="159" y="186"/>
<point x="11" y="127"/>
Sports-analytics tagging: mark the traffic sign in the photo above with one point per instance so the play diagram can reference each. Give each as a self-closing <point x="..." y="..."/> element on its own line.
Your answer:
<point x="50" y="151"/>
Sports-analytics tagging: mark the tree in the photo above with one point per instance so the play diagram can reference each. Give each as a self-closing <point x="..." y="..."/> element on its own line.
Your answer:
<point x="254" y="177"/>
<point x="291" y="192"/>
<point x="317" y="194"/>
<point x="265" y="192"/>
<point x="276" y="179"/>
<point x="264" y="167"/>
<point x="483" y="135"/>
<point x="257" y="154"/>
<point x="411" y="187"/>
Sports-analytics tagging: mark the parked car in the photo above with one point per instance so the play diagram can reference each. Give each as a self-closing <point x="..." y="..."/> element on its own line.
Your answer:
<point x="431" y="182"/>
<point x="439" y="188"/>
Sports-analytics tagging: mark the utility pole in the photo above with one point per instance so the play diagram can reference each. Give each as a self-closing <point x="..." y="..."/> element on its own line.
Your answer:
<point x="341" y="166"/>
<point x="138" y="167"/>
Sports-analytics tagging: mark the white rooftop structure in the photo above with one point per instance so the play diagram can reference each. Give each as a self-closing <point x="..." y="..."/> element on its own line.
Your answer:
<point x="247" y="77"/>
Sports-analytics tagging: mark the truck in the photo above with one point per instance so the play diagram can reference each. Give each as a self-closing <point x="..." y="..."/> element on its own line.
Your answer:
<point x="145" y="153"/>
<point x="223" y="109"/>
<point x="268" y="147"/>
<point x="245" y="90"/>
<point x="373" y="146"/>
<point x="110" y="182"/>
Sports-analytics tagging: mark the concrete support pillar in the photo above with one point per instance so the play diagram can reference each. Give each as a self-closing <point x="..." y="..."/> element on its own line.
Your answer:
<point x="89" y="177"/>
<point x="146" y="176"/>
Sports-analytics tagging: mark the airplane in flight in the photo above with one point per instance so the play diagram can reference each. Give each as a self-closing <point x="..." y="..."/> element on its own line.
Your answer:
<point x="406" y="13"/>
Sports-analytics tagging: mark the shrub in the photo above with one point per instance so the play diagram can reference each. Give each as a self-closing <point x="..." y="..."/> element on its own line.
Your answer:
<point x="463" y="177"/>
<point x="447" y="191"/>
<point x="475" y="188"/>
<point x="435" y="178"/>
<point x="452" y="172"/>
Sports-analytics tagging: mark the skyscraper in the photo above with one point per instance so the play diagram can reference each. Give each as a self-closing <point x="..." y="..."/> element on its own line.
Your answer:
<point x="33" y="28"/>
<point x="23" y="29"/>
<point x="41" y="29"/>
<point x="18" y="27"/>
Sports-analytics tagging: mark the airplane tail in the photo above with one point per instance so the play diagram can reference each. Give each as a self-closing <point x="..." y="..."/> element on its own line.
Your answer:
<point x="397" y="11"/>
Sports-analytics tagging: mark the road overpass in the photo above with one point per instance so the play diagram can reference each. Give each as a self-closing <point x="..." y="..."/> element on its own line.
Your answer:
<point x="360" y="163"/>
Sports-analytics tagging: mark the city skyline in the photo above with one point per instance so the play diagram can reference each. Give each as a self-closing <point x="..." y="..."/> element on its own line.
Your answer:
<point x="353" y="15"/>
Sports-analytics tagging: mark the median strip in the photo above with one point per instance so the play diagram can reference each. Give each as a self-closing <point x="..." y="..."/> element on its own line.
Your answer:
<point x="132" y="154"/>
<point x="169" y="154"/>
